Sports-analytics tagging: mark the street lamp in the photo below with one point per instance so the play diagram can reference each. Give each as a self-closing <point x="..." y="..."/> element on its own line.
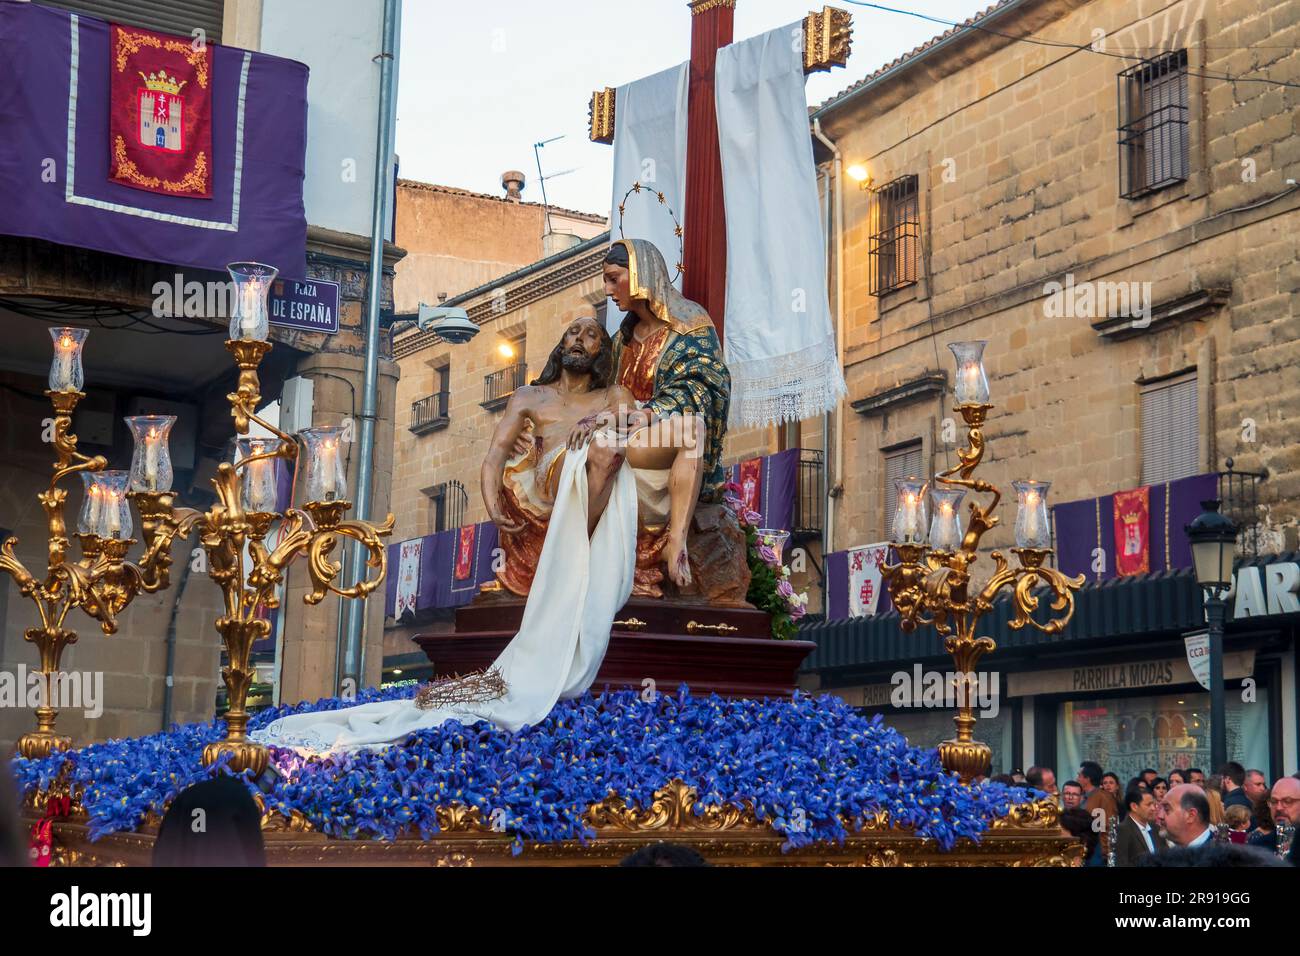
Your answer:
<point x="1213" y="538"/>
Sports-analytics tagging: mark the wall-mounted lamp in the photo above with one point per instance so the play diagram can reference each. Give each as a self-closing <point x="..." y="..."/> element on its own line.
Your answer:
<point x="858" y="173"/>
<point x="506" y="350"/>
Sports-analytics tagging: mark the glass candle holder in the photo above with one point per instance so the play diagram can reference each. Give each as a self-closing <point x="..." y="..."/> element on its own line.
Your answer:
<point x="909" y="515"/>
<point x="326" y="478"/>
<point x="65" y="368"/>
<point x="92" y="503"/>
<point x="945" y="527"/>
<point x="258" y="481"/>
<point x="115" y="509"/>
<point x="1032" y="527"/>
<point x="774" y="538"/>
<point x="972" y="387"/>
<point x="151" y="461"/>
<point x="250" y="319"/>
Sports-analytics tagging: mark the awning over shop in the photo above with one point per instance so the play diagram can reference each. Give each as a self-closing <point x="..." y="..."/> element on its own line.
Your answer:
<point x="1120" y="610"/>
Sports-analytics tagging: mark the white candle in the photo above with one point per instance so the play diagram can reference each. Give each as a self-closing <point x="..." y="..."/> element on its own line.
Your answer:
<point x="151" y="444"/>
<point x="329" y="464"/>
<point x="248" y="320"/>
<point x="63" y="353"/>
<point x="1031" y="516"/>
<point x="114" y="520"/>
<point x="93" y="515"/>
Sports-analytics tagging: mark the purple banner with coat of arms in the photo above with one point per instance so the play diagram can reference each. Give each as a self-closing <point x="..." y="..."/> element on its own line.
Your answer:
<point x="440" y="556"/>
<point x="55" y="152"/>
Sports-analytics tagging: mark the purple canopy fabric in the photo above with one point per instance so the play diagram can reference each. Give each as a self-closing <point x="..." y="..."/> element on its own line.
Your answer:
<point x="438" y="587"/>
<point x="54" y="152"/>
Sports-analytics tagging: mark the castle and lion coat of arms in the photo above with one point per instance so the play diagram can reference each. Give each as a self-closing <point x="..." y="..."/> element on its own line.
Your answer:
<point x="160" y="118"/>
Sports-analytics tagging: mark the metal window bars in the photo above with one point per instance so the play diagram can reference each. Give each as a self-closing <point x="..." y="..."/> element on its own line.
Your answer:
<point x="808" y="496"/>
<point x="893" y="250"/>
<point x="1239" y="492"/>
<point x="449" y="501"/>
<point x="1153" y="125"/>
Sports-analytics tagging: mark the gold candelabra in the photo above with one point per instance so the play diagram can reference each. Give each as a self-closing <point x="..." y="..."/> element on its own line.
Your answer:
<point x="233" y="532"/>
<point x="931" y="583"/>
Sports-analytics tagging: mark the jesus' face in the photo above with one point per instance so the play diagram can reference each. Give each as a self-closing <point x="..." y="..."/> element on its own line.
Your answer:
<point x="581" y="344"/>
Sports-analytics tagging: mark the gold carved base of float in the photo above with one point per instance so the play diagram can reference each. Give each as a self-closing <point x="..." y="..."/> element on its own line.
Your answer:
<point x="1029" y="835"/>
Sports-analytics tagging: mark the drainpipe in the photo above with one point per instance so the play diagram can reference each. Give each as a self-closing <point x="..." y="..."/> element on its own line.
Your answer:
<point x="352" y="648"/>
<point x="838" y="174"/>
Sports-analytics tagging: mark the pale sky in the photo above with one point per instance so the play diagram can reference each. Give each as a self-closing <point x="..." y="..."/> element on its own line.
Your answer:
<point x="480" y="83"/>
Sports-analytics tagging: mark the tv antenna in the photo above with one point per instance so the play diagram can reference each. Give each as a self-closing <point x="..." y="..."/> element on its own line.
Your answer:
<point x="537" y="155"/>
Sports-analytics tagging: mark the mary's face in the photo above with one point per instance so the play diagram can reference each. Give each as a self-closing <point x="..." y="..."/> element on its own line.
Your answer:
<point x="617" y="286"/>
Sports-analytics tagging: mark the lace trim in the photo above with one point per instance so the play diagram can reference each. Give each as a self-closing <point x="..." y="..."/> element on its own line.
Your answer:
<point x="785" y="388"/>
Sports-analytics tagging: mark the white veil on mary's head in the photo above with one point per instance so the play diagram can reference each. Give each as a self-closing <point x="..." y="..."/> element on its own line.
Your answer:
<point x="649" y="279"/>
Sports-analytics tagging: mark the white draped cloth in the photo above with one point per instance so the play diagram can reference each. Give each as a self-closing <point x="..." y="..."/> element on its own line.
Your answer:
<point x="650" y="149"/>
<point x="780" y="344"/>
<point x="556" y="653"/>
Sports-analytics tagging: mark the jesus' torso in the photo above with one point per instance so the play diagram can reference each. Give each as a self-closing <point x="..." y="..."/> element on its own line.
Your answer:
<point x="555" y="412"/>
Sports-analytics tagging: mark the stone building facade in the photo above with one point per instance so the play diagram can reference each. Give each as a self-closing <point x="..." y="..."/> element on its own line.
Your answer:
<point x="997" y="191"/>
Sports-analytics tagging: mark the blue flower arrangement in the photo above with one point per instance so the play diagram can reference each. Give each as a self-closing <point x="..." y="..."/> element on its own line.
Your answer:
<point x="807" y="764"/>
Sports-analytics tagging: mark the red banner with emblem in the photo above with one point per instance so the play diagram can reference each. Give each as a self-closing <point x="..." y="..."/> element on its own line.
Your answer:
<point x="465" y="552"/>
<point x="1132" y="516"/>
<point x="160" y="114"/>
<point x="751" y="483"/>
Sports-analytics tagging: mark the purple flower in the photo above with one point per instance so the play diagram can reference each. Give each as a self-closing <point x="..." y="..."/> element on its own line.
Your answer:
<point x="784" y="589"/>
<point x="768" y="556"/>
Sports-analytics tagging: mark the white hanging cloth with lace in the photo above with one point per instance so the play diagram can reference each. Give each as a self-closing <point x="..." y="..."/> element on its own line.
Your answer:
<point x="780" y="344"/>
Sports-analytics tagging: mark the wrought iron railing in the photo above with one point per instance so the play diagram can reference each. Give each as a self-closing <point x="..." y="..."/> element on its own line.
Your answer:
<point x="893" y="250"/>
<point x="499" y="385"/>
<point x="809" y="500"/>
<point x="1239" y="492"/>
<point x="429" y="413"/>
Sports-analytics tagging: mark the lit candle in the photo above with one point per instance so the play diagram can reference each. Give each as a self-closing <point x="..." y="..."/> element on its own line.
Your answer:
<point x="248" y="320"/>
<point x="64" y="349"/>
<point x="151" y="444"/>
<point x="93" y="515"/>
<point x="113" y="520"/>
<point x="329" y="464"/>
<point x="1031" y="515"/>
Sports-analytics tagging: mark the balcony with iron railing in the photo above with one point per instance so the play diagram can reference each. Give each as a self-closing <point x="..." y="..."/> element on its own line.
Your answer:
<point x="1239" y="492"/>
<point x="429" y="414"/>
<point x="810" y="496"/>
<point x="498" y="386"/>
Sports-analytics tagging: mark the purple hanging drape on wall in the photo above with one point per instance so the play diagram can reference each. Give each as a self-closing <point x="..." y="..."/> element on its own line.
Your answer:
<point x="54" y="152"/>
<point x="778" y="484"/>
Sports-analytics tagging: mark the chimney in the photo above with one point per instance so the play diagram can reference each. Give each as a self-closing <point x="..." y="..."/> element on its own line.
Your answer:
<point x="512" y="181"/>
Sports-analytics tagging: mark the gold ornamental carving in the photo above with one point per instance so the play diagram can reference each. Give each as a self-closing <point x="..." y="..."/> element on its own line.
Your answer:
<point x="827" y="39"/>
<point x="600" y="121"/>
<point x="673" y="808"/>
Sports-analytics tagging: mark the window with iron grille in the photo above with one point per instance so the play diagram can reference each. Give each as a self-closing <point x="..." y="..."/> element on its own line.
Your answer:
<point x="901" y="462"/>
<point x="893" y="250"/>
<point x="447" y="504"/>
<point x="1170" y="430"/>
<point x="1153" y="125"/>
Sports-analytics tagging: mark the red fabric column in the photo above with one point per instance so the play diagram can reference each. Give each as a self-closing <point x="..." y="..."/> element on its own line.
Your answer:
<point x="705" y="260"/>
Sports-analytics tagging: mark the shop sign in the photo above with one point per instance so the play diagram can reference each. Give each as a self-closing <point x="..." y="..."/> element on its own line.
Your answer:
<point x="1130" y="675"/>
<point x="1198" y="656"/>
<point x="1264" y="591"/>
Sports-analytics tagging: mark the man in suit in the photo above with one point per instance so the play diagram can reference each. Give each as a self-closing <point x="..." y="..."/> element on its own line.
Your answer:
<point x="1187" y="815"/>
<point x="1135" y="838"/>
<point x="1096" y="799"/>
